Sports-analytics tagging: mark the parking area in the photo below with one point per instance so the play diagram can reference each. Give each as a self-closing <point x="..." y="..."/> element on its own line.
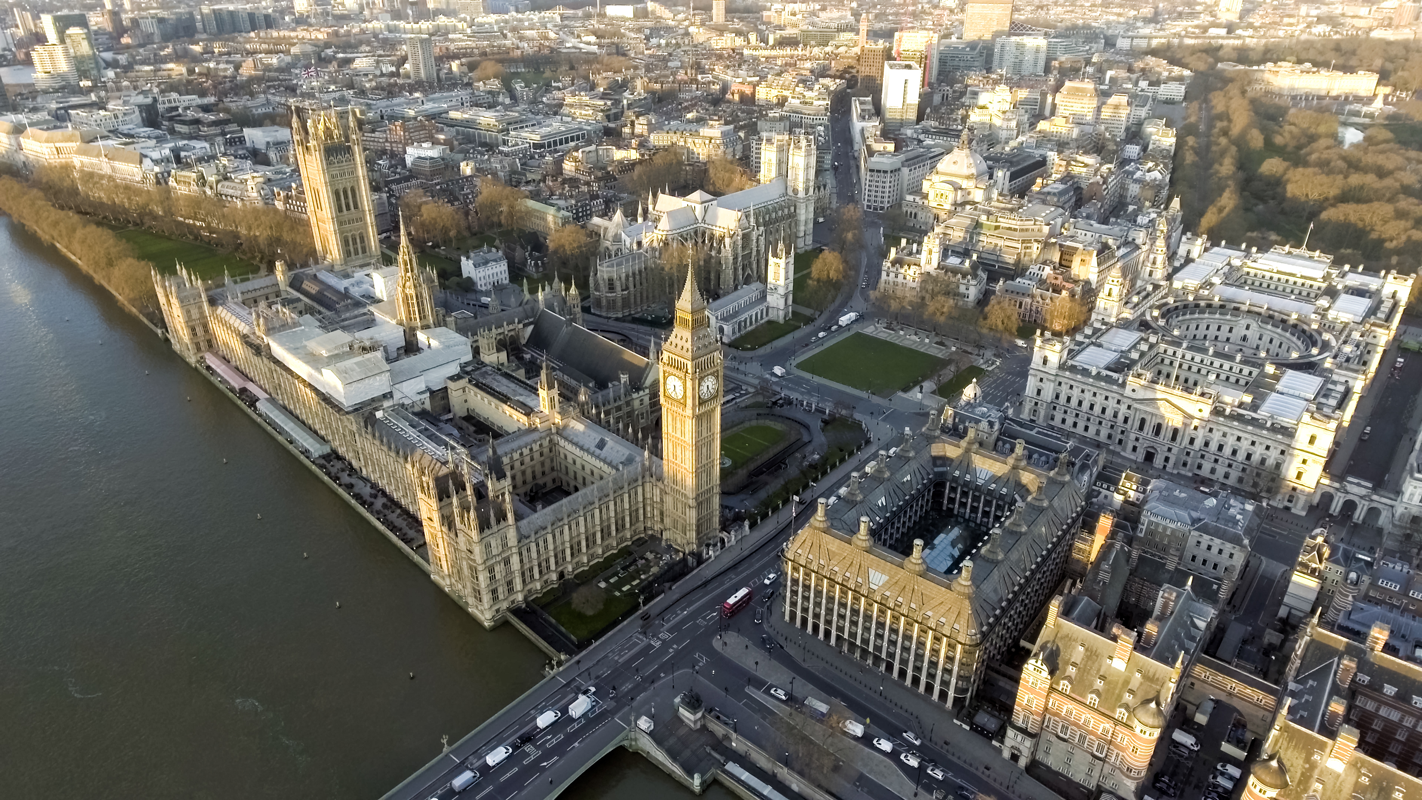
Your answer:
<point x="1186" y="773"/>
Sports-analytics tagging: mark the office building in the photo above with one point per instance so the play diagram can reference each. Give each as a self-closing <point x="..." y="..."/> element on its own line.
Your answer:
<point x="1008" y="499"/>
<point x="718" y="11"/>
<point x="54" y="68"/>
<point x="1347" y="724"/>
<point x="420" y="53"/>
<point x="872" y="58"/>
<point x="863" y="29"/>
<point x="55" y="25"/>
<point x="1228" y="10"/>
<point x="984" y="19"/>
<point x="1018" y="56"/>
<point x="1094" y="701"/>
<point x="920" y="47"/>
<point x="1076" y="101"/>
<point x="81" y="46"/>
<point x="903" y="81"/>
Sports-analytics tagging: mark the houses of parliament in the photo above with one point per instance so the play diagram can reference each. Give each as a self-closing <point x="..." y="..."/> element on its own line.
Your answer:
<point x="520" y="440"/>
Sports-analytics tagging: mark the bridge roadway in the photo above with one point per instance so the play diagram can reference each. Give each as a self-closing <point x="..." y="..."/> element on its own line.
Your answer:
<point x="639" y="668"/>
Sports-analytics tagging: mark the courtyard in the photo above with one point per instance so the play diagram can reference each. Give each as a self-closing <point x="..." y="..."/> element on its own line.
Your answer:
<point x="871" y="364"/>
<point x="746" y="443"/>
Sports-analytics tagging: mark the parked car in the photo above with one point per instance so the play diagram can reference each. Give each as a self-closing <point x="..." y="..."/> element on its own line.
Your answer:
<point x="884" y="744"/>
<point x="1368" y="431"/>
<point x="779" y="694"/>
<point x="935" y="772"/>
<point x="909" y="758"/>
<point x="911" y="739"/>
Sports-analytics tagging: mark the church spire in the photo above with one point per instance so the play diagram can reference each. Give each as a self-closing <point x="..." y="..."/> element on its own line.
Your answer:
<point x="414" y="297"/>
<point x="690" y="299"/>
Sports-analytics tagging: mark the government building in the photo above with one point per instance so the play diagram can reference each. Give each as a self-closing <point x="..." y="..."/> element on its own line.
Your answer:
<point x="998" y="501"/>
<point x="519" y="439"/>
<point x="1242" y="368"/>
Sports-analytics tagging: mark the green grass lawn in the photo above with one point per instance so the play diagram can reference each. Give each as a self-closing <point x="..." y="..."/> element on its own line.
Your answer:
<point x="954" y="386"/>
<point x="165" y="254"/>
<point x="803" y="262"/>
<point x="743" y="445"/>
<point x="872" y="364"/>
<point x="584" y="626"/>
<point x="768" y="332"/>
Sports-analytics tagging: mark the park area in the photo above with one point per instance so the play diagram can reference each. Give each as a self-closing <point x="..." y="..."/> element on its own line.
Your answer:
<point x="745" y="444"/>
<point x="871" y="364"/>
<point x="165" y="254"/>
<point x="601" y="594"/>
<point x="767" y="332"/>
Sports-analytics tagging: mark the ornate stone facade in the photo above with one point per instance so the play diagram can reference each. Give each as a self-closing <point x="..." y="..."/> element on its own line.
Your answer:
<point x="936" y="617"/>
<point x="328" y="150"/>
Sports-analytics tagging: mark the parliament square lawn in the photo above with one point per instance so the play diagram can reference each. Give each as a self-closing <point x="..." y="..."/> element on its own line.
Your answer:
<point x="872" y="364"/>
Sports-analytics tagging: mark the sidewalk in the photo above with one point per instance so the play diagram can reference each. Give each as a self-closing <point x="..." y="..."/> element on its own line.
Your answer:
<point x="866" y="686"/>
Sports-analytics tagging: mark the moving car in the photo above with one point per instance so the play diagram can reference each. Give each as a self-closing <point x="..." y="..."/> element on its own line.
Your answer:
<point x="935" y="772"/>
<point x="1368" y="431"/>
<point x="911" y="739"/>
<point x="909" y="758"/>
<point x="884" y="744"/>
<point x="779" y="694"/>
<point x="588" y="691"/>
<point x="497" y="757"/>
<point x="772" y="578"/>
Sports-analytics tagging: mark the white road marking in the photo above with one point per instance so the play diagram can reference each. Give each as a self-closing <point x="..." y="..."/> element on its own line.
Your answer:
<point x="508" y="774"/>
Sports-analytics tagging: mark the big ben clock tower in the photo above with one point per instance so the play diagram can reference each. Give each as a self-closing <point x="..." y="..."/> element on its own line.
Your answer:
<point x="691" y="425"/>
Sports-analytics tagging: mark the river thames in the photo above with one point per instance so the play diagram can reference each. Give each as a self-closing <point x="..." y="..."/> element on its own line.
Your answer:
<point x="159" y="640"/>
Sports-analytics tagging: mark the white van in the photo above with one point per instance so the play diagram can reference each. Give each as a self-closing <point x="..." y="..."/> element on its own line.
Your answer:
<point x="1185" y="740"/>
<point x="497" y="757"/>
<point x="464" y="780"/>
<point x="548" y="718"/>
<point x="1230" y="770"/>
<point x="852" y="728"/>
<point x="779" y="371"/>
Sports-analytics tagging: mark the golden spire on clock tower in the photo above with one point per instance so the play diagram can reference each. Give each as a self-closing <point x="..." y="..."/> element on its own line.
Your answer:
<point x="691" y="372"/>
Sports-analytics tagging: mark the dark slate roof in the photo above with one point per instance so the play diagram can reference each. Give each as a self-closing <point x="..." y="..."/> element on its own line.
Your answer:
<point x="583" y="356"/>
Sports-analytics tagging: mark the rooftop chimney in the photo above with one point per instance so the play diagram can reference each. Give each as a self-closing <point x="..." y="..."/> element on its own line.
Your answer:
<point x="1377" y="637"/>
<point x="1347" y="668"/>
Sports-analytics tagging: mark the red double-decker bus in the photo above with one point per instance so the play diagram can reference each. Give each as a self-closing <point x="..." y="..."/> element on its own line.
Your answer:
<point x="737" y="601"/>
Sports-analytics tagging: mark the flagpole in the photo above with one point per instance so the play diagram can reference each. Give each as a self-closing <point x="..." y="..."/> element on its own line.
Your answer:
<point x="1307" y="233"/>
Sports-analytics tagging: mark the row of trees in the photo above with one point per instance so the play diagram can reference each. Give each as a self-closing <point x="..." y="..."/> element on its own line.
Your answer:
<point x="831" y="268"/>
<point x="261" y="234"/>
<point x="1399" y="64"/>
<point x="1252" y="170"/>
<point x="109" y="259"/>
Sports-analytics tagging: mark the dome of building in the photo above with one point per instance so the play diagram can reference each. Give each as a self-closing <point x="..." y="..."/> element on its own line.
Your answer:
<point x="1270" y="772"/>
<point x="963" y="167"/>
<point x="1150" y="714"/>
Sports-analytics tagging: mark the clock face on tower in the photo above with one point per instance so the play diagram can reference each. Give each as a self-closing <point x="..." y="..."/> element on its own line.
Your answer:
<point x="675" y="390"/>
<point x="708" y="387"/>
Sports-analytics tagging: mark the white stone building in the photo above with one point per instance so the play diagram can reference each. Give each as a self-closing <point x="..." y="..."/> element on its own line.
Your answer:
<point x="486" y="266"/>
<point x="1241" y="371"/>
